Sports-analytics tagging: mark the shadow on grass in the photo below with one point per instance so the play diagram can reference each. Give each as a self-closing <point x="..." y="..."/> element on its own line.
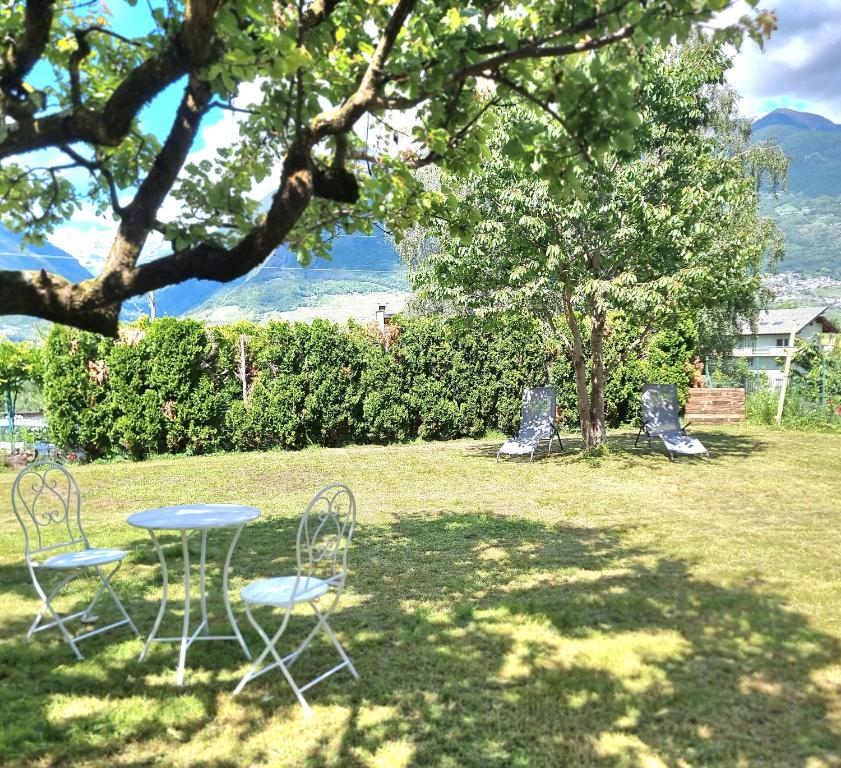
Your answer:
<point x="622" y="448"/>
<point x="481" y="640"/>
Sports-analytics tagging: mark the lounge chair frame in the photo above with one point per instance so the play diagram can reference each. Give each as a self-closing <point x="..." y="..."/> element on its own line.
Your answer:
<point x="548" y="395"/>
<point x="652" y="429"/>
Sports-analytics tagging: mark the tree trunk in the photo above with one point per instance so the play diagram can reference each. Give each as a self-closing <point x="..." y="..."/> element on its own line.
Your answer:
<point x="590" y="389"/>
<point x="580" y="365"/>
<point x="598" y="431"/>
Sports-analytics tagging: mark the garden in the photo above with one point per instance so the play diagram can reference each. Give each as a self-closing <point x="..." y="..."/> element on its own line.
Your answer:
<point x="614" y="611"/>
<point x="575" y="199"/>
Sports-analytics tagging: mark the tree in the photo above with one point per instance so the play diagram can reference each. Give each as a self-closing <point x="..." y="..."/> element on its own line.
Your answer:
<point x="318" y="66"/>
<point x="668" y="227"/>
<point x="19" y="363"/>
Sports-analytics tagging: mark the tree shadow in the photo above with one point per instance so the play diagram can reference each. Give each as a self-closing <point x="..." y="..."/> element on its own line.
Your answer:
<point x="481" y="640"/>
<point x="625" y="450"/>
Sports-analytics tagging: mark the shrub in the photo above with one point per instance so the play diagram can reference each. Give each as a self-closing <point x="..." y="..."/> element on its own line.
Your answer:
<point x="74" y="392"/>
<point x="174" y="385"/>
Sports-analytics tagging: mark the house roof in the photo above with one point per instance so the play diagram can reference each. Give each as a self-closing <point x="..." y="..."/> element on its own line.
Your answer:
<point x="784" y="321"/>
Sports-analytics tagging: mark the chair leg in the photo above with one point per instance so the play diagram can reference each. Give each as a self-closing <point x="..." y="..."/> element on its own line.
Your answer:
<point x="254" y="671"/>
<point x="283" y="663"/>
<point x="58" y="620"/>
<point x="106" y="580"/>
<point x="69" y="639"/>
<point x="332" y="635"/>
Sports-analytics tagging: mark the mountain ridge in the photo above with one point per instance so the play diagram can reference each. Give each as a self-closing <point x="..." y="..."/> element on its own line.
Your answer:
<point x="809" y="121"/>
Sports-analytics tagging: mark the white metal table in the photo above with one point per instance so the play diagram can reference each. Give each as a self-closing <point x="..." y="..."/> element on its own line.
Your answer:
<point x="185" y="519"/>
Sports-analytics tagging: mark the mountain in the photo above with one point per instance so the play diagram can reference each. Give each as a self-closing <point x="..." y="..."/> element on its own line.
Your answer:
<point x="809" y="213"/>
<point x="15" y="255"/>
<point x="806" y="121"/>
<point x="363" y="272"/>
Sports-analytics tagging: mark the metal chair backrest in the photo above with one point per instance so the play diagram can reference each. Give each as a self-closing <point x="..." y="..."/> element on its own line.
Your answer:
<point x="660" y="408"/>
<point x="537" y="420"/>
<point x="47" y="504"/>
<point x="324" y="535"/>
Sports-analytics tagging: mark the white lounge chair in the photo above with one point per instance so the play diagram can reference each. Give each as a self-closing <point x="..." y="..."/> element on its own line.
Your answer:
<point x="661" y="418"/>
<point x="536" y="423"/>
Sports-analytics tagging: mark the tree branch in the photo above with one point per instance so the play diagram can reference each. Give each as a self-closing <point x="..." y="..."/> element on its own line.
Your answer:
<point x="95" y="304"/>
<point x="23" y="53"/>
<point x="190" y="49"/>
<point x="342" y="119"/>
<point x="140" y="215"/>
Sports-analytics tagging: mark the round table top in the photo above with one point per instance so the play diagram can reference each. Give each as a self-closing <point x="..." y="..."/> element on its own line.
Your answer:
<point x="181" y="517"/>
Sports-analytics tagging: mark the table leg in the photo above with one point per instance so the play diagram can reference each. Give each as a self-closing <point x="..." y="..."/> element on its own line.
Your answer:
<point x="164" y="596"/>
<point x="185" y="631"/>
<point x="202" y="581"/>
<point x="226" y="597"/>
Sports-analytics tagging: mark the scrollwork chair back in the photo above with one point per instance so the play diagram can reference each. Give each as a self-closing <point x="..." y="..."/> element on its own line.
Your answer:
<point x="47" y="504"/>
<point x="324" y="537"/>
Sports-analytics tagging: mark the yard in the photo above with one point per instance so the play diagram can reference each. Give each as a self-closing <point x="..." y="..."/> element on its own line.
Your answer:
<point x="621" y="611"/>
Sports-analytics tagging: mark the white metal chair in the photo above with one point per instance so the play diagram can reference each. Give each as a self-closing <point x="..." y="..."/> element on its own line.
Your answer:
<point x="47" y="504"/>
<point x="322" y="543"/>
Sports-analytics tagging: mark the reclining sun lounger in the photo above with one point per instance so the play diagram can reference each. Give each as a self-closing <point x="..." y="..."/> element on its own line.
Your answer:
<point x="537" y="423"/>
<point x="660" y="418"/>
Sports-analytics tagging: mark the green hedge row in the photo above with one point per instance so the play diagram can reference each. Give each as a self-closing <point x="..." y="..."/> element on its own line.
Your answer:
<point x="175" y="386"/>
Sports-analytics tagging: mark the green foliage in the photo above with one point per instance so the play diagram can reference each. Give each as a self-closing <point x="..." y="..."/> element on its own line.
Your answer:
<point x="813" y="397"/>
<point x="174" y="385"/>
<point x="664" y="360"/>
<point x="20" y="362"/>
<point x="300" y="59"/>
<point x="74" y="399"/>
<point x="663" y="228"/>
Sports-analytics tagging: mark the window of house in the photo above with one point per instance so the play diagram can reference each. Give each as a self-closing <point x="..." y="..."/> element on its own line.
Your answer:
<point x="780" y="343"/>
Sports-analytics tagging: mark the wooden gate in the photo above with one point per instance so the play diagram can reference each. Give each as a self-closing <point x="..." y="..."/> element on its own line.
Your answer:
<point x="716" y="406"/>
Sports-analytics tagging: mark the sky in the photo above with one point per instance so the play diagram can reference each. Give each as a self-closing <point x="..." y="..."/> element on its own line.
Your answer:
<point x="799" y="69"/>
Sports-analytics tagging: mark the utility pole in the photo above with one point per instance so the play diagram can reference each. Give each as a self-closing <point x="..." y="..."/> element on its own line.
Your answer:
<point x="153" y="306"/>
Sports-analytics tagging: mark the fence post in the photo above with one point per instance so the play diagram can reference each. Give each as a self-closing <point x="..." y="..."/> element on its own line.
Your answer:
<point x="786" y="372"/>
<point x="242" y="368"/>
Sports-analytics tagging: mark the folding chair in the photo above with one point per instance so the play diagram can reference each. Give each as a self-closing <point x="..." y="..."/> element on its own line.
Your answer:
<point x="660" y="418"/>
<point x="322" y="543"/>
<point x="47" y="504"/>
<point x="537" y="422"/>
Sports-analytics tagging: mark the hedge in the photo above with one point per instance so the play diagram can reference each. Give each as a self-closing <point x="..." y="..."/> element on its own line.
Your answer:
<point x="175" y="386"/>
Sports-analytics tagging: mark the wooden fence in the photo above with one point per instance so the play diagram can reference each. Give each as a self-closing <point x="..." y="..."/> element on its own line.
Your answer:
<point x="716" y="406"/>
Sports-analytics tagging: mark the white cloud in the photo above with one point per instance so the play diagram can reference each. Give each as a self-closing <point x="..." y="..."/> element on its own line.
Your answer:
<point x="799" y="66"/>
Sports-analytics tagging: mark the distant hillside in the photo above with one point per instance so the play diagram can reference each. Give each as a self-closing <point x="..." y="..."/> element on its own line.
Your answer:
<point x="14" y="255"/>
<point x="809" y="214"/>
<point x="364" y="270"/>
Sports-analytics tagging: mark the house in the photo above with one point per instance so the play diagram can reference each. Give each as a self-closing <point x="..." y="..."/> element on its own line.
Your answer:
<point x="776" y="333"/>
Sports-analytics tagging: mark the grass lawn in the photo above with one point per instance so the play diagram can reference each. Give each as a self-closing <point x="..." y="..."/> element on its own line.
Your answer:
<point x="625" y="611"/>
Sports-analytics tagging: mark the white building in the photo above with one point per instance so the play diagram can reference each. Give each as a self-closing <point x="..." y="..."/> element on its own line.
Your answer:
<point x="776" y="333"/>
